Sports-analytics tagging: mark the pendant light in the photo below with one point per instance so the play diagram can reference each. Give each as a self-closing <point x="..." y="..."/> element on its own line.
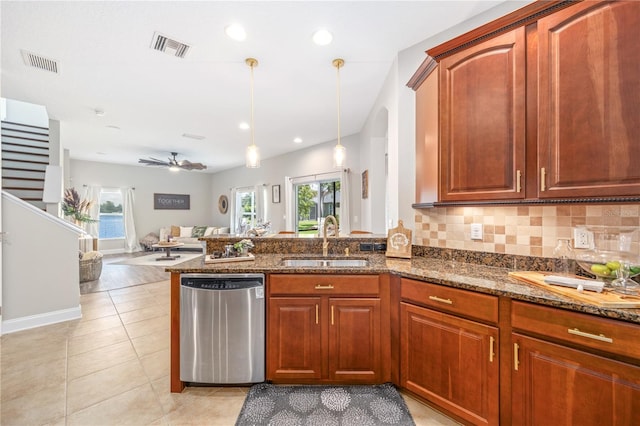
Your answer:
<point x="339" y="151"/>
<point x="253" y="153"/>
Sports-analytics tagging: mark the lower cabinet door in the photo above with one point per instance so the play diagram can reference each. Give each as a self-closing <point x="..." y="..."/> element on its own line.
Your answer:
<point x="557" y="385"/>
<point x="294" y="338"/>
<point x="452" y="362"/>
<point x="354" y="340"/>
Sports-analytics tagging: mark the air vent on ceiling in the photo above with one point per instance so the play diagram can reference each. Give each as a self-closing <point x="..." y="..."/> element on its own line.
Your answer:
<point x="39" y="61"/>
<point x="169" y="46"/>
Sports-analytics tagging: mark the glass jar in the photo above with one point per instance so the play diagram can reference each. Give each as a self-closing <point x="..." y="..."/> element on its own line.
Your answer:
<point x="563" y="257"/>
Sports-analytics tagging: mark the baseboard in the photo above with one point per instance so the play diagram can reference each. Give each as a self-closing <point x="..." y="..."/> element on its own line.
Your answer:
<point x="33" y="321"/>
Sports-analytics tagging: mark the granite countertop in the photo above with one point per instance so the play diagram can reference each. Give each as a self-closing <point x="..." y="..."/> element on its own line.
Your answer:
<point x="469" y="276"/>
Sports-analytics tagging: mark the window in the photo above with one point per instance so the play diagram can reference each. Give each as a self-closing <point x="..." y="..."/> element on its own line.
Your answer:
<point x="111" y="219"/>
<point x="314" y="201"/>
<point x="245" y="209"/>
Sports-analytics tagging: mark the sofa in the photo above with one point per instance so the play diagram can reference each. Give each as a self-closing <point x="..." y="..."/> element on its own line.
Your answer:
<point x="188" y="235"/>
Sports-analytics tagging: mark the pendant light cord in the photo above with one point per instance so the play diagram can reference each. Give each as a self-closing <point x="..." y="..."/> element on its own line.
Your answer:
<point x="251" y="65"/>
<point x="338" y="63"/>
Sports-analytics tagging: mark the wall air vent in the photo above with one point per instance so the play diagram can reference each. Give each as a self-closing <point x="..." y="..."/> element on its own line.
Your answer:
<point x="169" y="46"/>
<point x="40" y="62"/>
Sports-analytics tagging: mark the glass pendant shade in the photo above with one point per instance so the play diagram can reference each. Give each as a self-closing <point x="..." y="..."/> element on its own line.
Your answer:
<point x="253" y="157"/>
<point x="339" y="155"/>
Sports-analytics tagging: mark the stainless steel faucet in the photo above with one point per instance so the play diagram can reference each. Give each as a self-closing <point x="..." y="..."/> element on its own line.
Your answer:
<point x="325" y="242"/>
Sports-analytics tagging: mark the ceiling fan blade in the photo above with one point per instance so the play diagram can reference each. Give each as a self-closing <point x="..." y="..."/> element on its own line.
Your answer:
<point x="152" y="162"/>
<point x="188" y="165"/>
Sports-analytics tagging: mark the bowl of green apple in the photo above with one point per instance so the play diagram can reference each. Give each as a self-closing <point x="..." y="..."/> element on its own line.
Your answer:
<point x="608" y="265"/>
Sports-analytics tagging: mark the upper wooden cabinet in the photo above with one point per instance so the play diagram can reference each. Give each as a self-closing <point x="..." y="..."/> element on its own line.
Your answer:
<point x="544" y="105"/>
<point x="589" y="100"/>
<point x="482" y="120"/>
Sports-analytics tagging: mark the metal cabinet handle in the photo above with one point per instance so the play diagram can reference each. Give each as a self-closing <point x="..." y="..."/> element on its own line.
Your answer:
<point x="316" y="313"/>
<point x="600" y="337"/>
<point x="331" y="314"/>
<point x="516" y="361"/>
<point x="518" y="179"/>
<point x="323" y="287"/>
<point x="543" y="178"/>
<point x="438" y="299"/>
<point x="491" y="352"/>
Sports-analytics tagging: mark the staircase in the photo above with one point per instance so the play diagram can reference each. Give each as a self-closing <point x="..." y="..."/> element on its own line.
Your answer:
<point x="25" y="156"/>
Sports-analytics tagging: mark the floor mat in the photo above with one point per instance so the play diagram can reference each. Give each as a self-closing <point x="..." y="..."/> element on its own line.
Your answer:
<point x="359" y="405"/>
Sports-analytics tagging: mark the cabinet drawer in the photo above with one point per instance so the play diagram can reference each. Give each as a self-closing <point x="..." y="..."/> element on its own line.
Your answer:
<point x="611" y="336"/>
<point x="467" y="303"/>
<point x="361" y="285"/>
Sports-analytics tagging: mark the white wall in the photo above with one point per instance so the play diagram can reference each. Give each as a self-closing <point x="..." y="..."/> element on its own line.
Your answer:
<point x="40" y="282"/>
<point x="315" y="159"/>
<point x="147" y="181"/>
<point x="399" y="101"/>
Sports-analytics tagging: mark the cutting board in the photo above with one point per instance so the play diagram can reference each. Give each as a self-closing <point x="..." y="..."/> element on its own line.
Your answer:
<point x="209" y="259"/>
<point x="605" y="299"/>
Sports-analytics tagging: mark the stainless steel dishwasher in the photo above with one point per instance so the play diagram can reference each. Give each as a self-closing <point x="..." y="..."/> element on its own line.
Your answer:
<point x="222" y="328"/>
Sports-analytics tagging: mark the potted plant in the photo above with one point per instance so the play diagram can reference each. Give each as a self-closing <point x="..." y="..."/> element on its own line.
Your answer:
<point x="75" y="208"/>
<point x="243" y="246"/>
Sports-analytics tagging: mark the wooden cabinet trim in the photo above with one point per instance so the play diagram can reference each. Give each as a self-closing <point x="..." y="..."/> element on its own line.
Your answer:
<point x="518" y="18"/>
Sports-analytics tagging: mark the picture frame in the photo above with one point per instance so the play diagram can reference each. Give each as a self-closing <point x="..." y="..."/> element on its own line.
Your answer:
<point x="365" y="184"/>
<point x="171" y="201"/>
<point x="223" y="204"/>
<point x="275" y="194"/>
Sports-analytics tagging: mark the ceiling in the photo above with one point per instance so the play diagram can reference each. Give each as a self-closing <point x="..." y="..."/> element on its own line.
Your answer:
<point x="151" y="99"/>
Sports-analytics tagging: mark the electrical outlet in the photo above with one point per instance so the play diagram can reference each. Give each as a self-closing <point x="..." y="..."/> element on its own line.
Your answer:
<point x="581" y="238"/>
<point x="476" y="231"/>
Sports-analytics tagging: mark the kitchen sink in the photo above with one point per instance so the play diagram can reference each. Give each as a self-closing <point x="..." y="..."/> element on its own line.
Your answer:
<point x="326" y="263"/>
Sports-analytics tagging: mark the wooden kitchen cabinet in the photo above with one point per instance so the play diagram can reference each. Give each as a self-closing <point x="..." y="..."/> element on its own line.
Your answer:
<point x="294" y="346"/>
<point x="482" y="120"/>
<point x="325" y="328"/>
<point x="450" y="361"/>
<point x="557" y="385"/>
<point x="570" y="368"/>
<point x="539" y="105"/>
<point x="588" y="104"/>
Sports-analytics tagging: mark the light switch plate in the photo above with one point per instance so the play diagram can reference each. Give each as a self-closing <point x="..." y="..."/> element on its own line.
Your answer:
<point x="476" y="231"/>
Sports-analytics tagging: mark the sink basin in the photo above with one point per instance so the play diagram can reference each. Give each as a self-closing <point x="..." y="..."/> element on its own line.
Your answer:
<point x="326" y="263"/>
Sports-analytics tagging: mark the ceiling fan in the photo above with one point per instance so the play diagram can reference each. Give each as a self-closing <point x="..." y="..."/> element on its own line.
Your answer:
<point x="173" y="162"/>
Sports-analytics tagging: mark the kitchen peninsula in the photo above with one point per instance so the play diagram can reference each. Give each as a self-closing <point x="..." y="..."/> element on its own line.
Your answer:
<point x="488" y="331"/>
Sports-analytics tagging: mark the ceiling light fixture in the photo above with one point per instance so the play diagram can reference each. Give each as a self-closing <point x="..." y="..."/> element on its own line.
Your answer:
<point x="322" y="37"/>
<point x="297" y="140"/>
<point x="244" y="126"/>
<point x="253" y="153"/>
<point x="235" y="32"/>
<point x="339" y="151"/>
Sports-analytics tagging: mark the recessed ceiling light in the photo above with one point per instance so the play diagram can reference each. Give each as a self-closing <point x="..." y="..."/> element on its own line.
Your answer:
<point x="322" y="37"/>
<point x="235" y="32"/>
<point x="99" y="112"/>
<point x="244" y="126"/>
<point x="297" y="140"/>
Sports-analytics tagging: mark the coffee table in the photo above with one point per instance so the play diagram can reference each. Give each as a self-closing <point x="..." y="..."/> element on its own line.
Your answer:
<point x="167" y="248"/>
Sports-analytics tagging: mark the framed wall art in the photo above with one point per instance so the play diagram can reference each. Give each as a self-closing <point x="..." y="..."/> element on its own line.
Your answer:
<point x="365" y="184"/>
<point x="275" y="194"/>
<point x="171" y="201"/>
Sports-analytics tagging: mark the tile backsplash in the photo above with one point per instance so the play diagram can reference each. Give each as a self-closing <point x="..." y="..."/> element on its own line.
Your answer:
<point x="518" y="230"/>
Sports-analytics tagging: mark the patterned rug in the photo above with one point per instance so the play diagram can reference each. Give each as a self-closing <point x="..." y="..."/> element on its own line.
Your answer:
<point x="275" y="405"/>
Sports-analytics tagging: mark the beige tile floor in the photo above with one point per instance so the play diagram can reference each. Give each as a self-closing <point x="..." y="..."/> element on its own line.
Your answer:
<point x="112" y="368"/>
